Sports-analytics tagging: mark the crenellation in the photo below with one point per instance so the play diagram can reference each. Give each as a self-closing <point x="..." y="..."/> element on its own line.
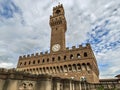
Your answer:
<point x="80" y="46"/>
<point x="46" y="52"/>
<point x="37" y="54"/>
<point x="41" y="53"/>
<point x="3" y="70"/>
<point x="67" y="48"/>
<point x="24" y="56"/>
<point x="73" y="47"/>
<point x="28" y="55"/>
<point x="32" y="55"/>
<point x="20" y="57"/>
<point x="12" y="70"/>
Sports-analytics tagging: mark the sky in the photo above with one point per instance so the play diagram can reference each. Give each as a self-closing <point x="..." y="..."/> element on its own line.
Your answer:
<point x="24" y="29"/>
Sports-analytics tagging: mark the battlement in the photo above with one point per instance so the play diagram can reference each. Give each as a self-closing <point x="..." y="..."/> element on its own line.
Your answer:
<point x="33" y="55"/>
<point x="46" y="53"/>
<point x="59" y="6"/>
<point x="80" y="47"/>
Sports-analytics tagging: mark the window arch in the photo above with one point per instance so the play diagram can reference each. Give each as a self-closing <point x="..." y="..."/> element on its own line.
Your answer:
<point x="78" y="55"/>
<point x="71" y="56"/>
<point x="20" y="63"/>
<point x="34" y="62"/>
<point x="47" y="59"/>
<point x="38" y="61"/>
<point x="59" y="58"/>
<point x="43" y="61"/>
<point x="24" y="63"/>
<point x="65" y="57"/>
<point x="29" y="62"/>
<point x="53" y="59"/>
<point x="85" y="54"/>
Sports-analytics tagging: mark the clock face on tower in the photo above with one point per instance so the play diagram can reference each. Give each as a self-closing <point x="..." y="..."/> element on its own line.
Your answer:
<point x="56" y="47"/>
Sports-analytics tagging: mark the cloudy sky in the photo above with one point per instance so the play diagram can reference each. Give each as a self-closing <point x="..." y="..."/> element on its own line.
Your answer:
<point x="24" y="29"/>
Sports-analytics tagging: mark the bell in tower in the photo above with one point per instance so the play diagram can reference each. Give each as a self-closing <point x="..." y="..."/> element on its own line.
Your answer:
<point x="58" y="29"/>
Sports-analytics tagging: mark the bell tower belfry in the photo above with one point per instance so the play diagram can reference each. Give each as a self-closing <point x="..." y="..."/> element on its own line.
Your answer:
<point x="58" y="28"/>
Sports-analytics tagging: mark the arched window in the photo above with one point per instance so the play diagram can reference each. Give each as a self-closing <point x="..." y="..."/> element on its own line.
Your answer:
<point x="58" y="58"/>
<point x="71" y="56"/>
<point x="34" y="62"/>
<point x="53" y="59"/>
<point x="24" y="63"/>
<point x="65" y="57"/>
<point x="29" y="62"/>
<point x="85" y="54"/>
<point x="20" y="63"/>
<point x="38" y="61"/>
<point x="78" y="55"/>
<point x="47" y="59"/>
<point x="79" y="67"/>
<point x="43" y="61"/>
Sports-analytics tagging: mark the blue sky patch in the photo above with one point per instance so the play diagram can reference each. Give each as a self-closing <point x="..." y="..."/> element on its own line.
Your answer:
<point x="8" y="8"/>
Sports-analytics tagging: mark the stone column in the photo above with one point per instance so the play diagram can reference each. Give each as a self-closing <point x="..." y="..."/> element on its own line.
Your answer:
<point x="44" y="82"/>
<point x="66" y="84"/>
<point x="10" y="84"/>
<point x="56" y="83"/>
<point x="2" y="82"/>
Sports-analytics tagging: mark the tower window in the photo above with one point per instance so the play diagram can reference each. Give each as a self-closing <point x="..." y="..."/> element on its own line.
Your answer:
<point x="85" y="54"/>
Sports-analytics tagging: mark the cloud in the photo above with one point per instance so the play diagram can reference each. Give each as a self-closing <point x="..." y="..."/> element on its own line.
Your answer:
<point x="24" y="29"/>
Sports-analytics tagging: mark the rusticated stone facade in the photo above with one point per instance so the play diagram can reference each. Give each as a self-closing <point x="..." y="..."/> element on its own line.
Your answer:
<point x="20" y="80"/>
<point x="63" y="62"/>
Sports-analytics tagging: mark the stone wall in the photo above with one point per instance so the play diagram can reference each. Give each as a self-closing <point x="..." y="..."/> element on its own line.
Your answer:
<point x="17" y="80"/>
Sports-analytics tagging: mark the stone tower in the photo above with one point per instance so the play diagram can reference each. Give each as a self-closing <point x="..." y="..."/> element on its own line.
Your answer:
<point x="72" y="63"/>
<point x="58" y="29"/>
